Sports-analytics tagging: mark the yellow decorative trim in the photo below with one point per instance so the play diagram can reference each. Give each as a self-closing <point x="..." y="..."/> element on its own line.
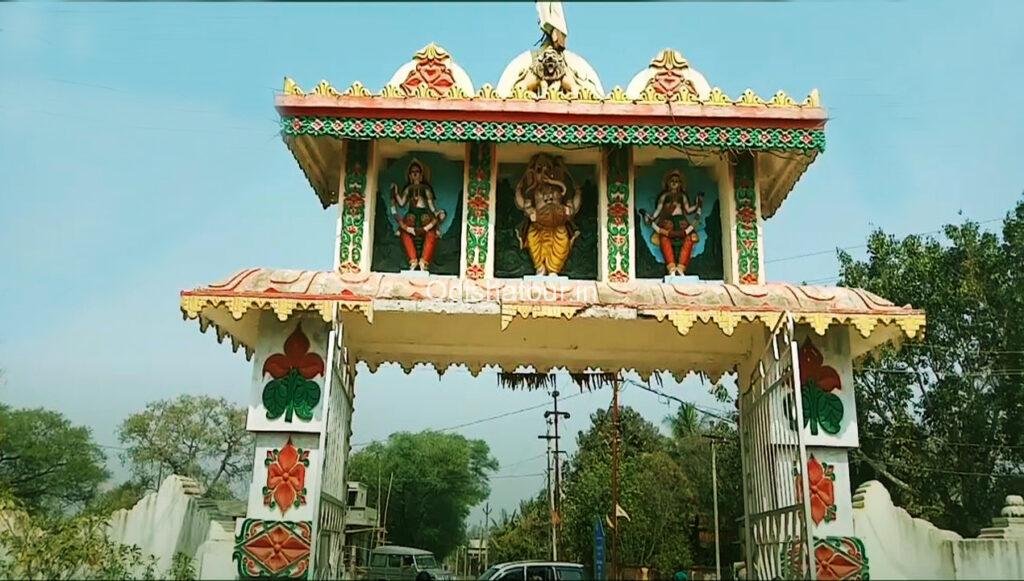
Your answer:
<point x="487" y="92"/>
<point x="587" y="96"/>
<point x="326" y="309"/>
<point x="617" y="96"/>
<point x="750" y="99"/>
<point x="682" y="321"/>
<point x="669" y="59"/>
<point x="364" y="306"/>
<point x="912" y="325"/>
<point x="717" y="98"/>
<point x="324" y="89"/>
<point x="520" y="93"/>
<point x="357" y="90"/>
<point x="555" y="94"/>
<point x="649" y="95"/>
<point x="781" y="99"/>
<point x="686" y="98"/>
<point x="193" y="305"/>
<point x="423" y="91"/>
<point x="431" y="51"/>
<point x="392" y="92"/>
<point x="864" y="324"/>
<point x="727" y="321"/>
<point x="813" y="100"/>
<point x="509" y="312"/>
<point x="818" y="321"/>
<point x="283" y="308"/>
<point x="291" y="88"/>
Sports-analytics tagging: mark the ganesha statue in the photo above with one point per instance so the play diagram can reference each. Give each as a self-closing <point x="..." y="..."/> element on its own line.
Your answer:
<point x="549" y="200"/>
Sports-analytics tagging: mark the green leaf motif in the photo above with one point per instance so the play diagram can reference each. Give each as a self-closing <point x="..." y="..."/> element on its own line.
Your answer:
<point x="291" y="394"/>
<point x="821" y="409"/>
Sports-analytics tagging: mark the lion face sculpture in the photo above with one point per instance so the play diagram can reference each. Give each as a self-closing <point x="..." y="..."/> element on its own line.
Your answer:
<point x="550" y="65"/>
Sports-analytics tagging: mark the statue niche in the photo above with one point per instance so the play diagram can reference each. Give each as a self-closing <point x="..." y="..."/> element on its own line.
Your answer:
<point x="413" y="216"/>
<point x="679" y="230"/>
<point x="549" y="200"/>
<point x="419" y="221"/>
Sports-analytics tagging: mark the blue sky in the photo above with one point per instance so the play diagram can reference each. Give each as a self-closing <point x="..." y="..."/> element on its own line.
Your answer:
<point x="139" y="156"/>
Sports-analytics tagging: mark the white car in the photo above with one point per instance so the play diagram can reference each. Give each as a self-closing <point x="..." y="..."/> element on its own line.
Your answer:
<point x="535" y="571"/>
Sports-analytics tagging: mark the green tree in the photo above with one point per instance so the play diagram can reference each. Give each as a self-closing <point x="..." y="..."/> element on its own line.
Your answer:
<point x="940" y="420"/>
<point x="124" y="495"/>
<point x="197" y="436"/>
<point x="47" y="463"/>
<point x="59" y="547"/>
<point x="691" y="434"/>
<point x="435" y="478"/>
<point x="654" y="491"/>
<point x="523" y="534"/>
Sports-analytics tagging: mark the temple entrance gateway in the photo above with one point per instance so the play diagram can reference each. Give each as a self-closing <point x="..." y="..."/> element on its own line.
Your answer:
<point x="543" y="222"/>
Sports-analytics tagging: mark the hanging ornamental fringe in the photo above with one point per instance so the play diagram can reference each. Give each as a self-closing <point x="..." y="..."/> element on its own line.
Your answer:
<point x="527" y="381"/>
<point x="592" y="381"/>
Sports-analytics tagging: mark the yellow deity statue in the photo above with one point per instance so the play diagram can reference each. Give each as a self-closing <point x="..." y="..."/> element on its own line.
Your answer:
<point x="549" y="200"/>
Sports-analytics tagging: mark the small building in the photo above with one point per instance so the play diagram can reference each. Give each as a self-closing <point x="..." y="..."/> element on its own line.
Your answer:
<point x="361" y="527"/>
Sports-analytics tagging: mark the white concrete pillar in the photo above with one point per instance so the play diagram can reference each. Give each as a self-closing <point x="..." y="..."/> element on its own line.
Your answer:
<point x="830" y="433"/>
<point x="288" y="408"/>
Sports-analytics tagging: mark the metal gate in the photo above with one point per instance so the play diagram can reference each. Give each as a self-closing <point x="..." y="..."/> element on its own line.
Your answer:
<point x="775" y="491"/>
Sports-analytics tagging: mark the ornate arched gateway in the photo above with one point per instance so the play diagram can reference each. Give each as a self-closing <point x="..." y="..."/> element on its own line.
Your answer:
<point x="545" y="222"/>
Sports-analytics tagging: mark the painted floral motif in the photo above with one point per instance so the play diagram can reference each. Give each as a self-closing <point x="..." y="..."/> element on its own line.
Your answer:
<point x="751" y="139"/>
<point x="746" y="221"/>
<point x="841" y="558"/>
<point x="286" y="477"/>
<point x="822" y="408"/>
<point x="292" y="390"/>
<point x="431" y="70"/>
<point x="836" y="558"/>
<point x="617" y="224"/>
<point x="479" y="204"/>
<point x="353" y="213"/>
<point x="821" y="479"/>
<point x="273" y="549"/>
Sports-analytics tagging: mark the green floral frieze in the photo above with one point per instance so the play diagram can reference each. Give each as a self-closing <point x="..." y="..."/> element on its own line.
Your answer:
<point x="747" y="250"/>
<point x="716" y="137"/>
<point x="478" y="209"/>
<point x="353" y="211"/>
<point x="617" y="221"/>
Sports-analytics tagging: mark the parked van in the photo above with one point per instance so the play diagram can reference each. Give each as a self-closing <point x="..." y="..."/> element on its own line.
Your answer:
<point x="394" y="563"/>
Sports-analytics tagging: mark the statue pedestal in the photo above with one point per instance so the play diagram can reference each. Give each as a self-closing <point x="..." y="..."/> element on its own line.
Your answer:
<point x="681" y="279"/>
<point x="415" y="273"/>
<point x="546" y="278"/>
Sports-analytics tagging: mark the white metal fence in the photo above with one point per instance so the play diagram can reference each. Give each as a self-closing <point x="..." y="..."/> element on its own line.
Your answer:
<point x="775" y="489"/>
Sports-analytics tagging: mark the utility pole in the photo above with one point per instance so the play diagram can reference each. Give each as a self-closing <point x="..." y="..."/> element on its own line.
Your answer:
<point x="615" y="479"/>
<point x="487" y="536"/>
<point x="714" y="496"/>
<point x="554" y="470"/>
<point x="558" y="453"/>
<point x="551" y="487"/>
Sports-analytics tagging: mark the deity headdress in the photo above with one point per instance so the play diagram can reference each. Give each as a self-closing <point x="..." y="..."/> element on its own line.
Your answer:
<point x="669" y="176"/>
<point x="424" y="171"/>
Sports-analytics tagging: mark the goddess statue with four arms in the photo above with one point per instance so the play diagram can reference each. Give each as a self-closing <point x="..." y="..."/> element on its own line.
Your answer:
<point x="673" y="221"/>
<point x="419" y="221"/>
